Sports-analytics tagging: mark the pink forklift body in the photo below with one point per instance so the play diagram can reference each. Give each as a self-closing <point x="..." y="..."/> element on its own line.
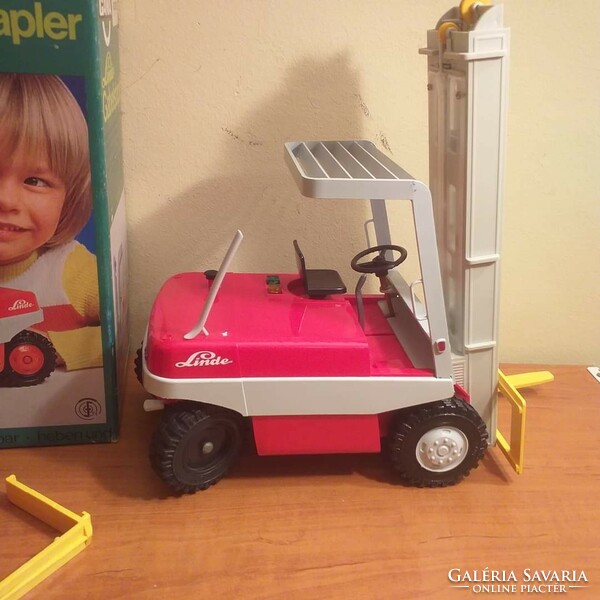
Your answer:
<point x="257" y="333"/>
<point x="258" y="330"/>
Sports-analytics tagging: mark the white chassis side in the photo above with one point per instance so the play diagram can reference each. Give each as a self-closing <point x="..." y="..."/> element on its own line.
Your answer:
<point x="10" y="326"/>
<point x="271" y="396"/>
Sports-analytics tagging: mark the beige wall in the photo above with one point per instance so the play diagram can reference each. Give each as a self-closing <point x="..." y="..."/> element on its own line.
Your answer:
<point x="212" y="89"/>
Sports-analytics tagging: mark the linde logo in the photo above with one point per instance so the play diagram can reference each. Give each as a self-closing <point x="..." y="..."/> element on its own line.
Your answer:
<point x="20" y="305"/>
<point x="204" y="358"/>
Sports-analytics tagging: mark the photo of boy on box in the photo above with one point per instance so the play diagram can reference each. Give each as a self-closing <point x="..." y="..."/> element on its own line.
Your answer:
<point x="45" y="201"/>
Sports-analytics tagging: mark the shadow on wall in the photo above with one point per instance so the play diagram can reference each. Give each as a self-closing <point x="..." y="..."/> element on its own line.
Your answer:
<point x="255" y="192"/>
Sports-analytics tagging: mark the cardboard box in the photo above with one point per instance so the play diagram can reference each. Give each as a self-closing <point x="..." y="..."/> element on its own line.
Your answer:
<point x="63" y="254"/>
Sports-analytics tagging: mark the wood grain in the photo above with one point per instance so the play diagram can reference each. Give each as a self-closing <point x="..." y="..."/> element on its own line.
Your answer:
<point x="319" y="527"/>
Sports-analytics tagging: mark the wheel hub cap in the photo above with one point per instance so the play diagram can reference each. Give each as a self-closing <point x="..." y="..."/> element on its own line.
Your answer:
<point x="26" y="359"/>
<point x="442" y="449"/>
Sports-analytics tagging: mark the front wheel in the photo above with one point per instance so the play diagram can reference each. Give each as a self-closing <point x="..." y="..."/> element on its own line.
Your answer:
<point x="30" y="359"/>
<point x="195" y="446"/>
<point x="437" y="444"/>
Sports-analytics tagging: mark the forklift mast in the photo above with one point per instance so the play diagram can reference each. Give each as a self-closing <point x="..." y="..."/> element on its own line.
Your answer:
<point x="467" y="59"/>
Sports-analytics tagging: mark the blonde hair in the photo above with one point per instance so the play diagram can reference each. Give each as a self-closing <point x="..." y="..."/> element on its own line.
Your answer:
<point x="39" y="114"/>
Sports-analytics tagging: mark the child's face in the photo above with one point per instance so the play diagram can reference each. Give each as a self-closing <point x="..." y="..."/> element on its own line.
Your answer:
<point x="31" y="201"/>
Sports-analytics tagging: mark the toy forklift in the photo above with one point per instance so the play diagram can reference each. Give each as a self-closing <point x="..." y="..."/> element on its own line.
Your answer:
<point x="311" y="368"/>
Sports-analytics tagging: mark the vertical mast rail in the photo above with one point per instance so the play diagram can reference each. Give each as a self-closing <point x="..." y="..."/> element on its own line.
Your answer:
<point x="467" y="130"/>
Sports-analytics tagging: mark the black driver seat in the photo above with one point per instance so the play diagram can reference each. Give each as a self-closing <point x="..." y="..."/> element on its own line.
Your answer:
<point x="318" y="282"/>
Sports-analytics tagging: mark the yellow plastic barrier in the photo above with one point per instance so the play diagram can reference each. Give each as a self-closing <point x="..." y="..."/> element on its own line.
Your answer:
<point x="508" y="386"/>
<point x="76" y="535"/>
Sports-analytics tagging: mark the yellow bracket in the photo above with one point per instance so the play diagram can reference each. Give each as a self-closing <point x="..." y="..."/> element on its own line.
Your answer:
<point x="508" y="386"/>
<point x="76" y="535"/>
<point x="467" y="9"/>
<point x="444" y="29"/>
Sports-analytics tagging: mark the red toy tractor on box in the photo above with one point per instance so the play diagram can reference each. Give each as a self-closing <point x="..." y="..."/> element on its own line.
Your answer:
<point x="26" y="357"/>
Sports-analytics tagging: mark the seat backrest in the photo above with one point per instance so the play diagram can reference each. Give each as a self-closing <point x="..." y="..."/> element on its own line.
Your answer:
<point x="300" y="262"/>
<point x="318" y="283"/>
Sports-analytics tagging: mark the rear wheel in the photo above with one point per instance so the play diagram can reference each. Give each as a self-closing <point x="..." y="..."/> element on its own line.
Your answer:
<point x="437" y="444"/>
<point x="30" y="359"/>
<point x="195" y="446"/>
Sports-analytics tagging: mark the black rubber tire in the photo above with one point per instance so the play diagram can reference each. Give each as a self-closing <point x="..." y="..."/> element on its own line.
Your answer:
<point x="137" y="366"/>
<point x="178" y="452"/>
<point x="411" y="425"/>
<point x="13" y="379"/>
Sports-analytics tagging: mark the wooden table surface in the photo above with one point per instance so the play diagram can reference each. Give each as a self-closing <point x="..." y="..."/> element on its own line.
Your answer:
<point x="322" y="527"/>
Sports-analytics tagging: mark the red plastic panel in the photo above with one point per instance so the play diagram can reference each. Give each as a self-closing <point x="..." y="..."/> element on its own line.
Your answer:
<point x="385" y="422"/>
<point x="253" y="333"/>
<point x="304" y="359"/>
<point x="317" y="434"/>
<point x="461" y="393"/>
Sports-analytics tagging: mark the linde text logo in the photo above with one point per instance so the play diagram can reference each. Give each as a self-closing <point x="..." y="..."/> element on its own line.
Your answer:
<point x="204" y="358"/>
<point x="527" y="581"/>
<point x="20" y="305"/>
